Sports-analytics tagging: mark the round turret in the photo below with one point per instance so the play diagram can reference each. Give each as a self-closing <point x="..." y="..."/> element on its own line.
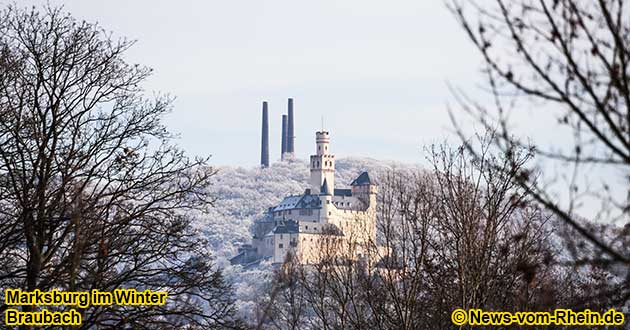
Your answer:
<point x="322" y="140"/>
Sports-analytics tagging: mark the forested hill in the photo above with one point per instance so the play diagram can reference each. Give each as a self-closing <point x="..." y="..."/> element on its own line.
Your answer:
<point x="243" y="195"/>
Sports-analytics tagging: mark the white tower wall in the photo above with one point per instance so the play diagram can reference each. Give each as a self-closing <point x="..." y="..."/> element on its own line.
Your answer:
<point x="322" y="164"/>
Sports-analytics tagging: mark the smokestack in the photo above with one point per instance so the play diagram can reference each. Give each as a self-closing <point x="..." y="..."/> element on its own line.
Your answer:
<point x="264" y="148"/>
<point x="290" y="129"/>
<point x="284" y="137"/>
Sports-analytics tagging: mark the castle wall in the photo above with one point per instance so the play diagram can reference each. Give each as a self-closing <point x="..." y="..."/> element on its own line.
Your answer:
<point x="264" y="245"/>
<point x="308" y="247"/>
<point x="357" y="226"/>
<point x="282" y="244"/>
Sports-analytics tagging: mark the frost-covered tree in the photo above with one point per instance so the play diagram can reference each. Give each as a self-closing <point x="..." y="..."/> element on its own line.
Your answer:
<point x="93" y="193"/>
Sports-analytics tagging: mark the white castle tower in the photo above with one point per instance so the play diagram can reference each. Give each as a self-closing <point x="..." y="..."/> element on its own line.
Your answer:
<point x="322" y="165"/>
<point x="300" y="224"/>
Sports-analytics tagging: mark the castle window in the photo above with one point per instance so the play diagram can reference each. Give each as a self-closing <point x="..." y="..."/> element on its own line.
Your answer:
<point x="281" y="245"/>
<point x="319" y="147"/>
<point x="306" y="227"/>
<point x="280" y="236"/>
<point x="318" y="163"/>
<point x="329" y="213"/>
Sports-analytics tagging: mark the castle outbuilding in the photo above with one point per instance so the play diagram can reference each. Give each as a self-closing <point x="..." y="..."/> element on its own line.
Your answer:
<point x="300" y="223"/>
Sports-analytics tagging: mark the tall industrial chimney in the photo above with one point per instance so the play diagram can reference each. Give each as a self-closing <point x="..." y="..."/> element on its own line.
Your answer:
<point x="284" y="137"/>
<point x="264" y="148"/>
<point x="290" y="130"/>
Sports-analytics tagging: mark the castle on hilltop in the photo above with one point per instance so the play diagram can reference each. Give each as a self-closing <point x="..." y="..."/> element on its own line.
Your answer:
<point x="300" y="223"/>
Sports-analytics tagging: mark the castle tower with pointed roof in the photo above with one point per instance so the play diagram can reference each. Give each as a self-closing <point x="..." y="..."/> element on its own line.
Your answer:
<point x="322" y="164"/>
<point x="300" y="223"/>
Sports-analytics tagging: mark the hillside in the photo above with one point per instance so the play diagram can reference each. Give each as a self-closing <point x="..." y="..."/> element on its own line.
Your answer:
<point x="243" y="195"/>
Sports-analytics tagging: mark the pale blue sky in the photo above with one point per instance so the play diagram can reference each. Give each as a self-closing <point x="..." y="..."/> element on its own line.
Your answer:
<point x="377" y="71"/>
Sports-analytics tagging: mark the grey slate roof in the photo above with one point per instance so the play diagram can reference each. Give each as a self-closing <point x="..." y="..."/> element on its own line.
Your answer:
<point x="288" y="203"/>
<point x="286" y="227"/>
<point x="363" y="179"/>
<point x="309" y="202"/>
<point x="324" y="189"/>
<point x="298" y="202"/>
<point x="343" y="192"/>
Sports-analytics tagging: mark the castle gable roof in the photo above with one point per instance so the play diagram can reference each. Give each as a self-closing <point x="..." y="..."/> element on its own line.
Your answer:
<point x="309" y="202"/>
<point x="324" y="189"/>
<point x="298" y="202"/>
<point x="288" y="203"/>
<point x="361" y="180"/>
<point x="286" y="227"/>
